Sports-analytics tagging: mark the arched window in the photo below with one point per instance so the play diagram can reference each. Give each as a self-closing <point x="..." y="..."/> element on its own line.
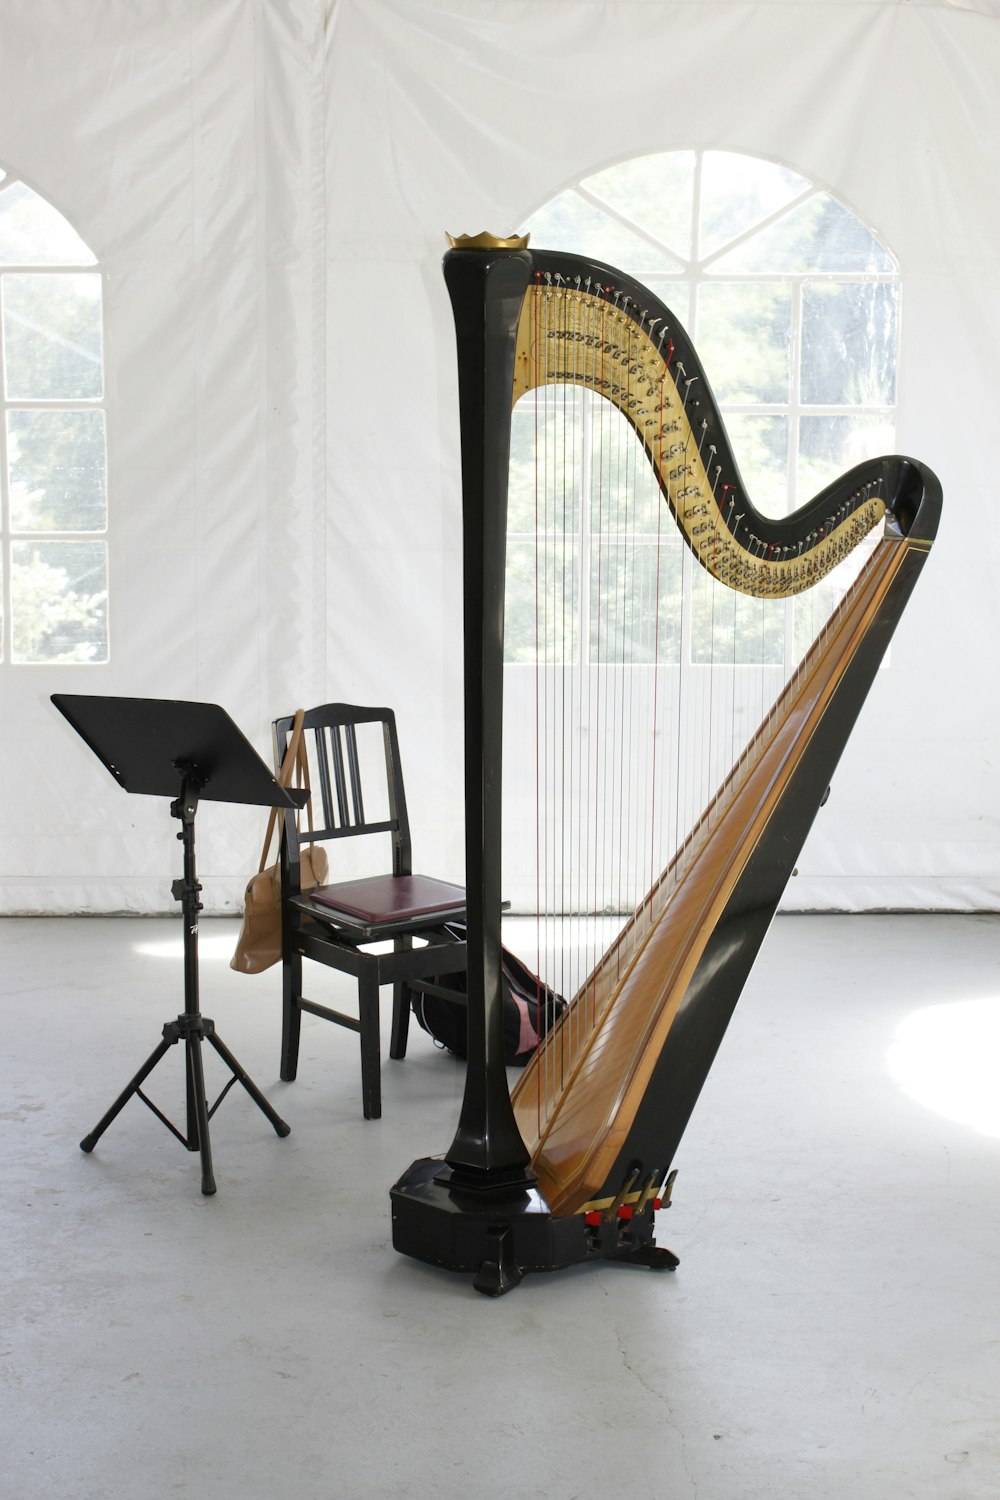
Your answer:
<point x="53" y="465"/>
<point x="793" y="305"/>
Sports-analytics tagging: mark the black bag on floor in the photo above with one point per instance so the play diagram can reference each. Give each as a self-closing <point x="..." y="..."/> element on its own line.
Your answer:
<point x="529" y="1008"/>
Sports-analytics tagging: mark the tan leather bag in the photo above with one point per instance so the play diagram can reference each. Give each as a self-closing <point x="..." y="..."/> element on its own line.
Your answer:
<point x="259" y="943"/>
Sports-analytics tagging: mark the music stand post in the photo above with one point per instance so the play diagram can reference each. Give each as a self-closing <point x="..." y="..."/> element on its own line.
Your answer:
<point x="149" y="745"/>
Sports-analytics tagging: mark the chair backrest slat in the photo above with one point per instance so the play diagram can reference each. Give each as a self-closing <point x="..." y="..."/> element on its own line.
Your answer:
<point x="321" y="770"/>
<point x="343" y="769"/>
<point x="350" y="833"/>
<point x="343" y="815"/>
<point x="354" y="770"/>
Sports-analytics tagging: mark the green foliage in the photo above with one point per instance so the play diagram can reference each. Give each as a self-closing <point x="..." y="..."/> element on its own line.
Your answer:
<point x="744" y="337"/>
<point x="542" y="604"/>
<point x="52" y="336"/>
<point x="849" y="334"/>
<point x="735" y="629"/>
<point x="56" y="462"/>
<point x="56" y="465"/>
<point x="635" y="603"/>
<point x="59" y="602"/>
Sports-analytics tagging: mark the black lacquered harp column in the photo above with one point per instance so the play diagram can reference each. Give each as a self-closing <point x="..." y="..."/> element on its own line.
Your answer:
<point x="487" y="290"/>
<point x="445" y="1211"/>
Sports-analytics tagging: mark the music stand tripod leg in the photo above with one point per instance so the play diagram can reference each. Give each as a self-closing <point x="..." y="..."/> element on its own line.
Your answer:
<point x="242" y="1076"/>
<point x="197" y="1026"/>
<point x="90" y="1141"/>
<point x="198" y="1136"/>
<point x="192" y="1024"/>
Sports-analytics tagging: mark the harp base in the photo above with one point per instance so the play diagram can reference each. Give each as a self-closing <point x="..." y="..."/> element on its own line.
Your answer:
<point x="502" y="1235"/>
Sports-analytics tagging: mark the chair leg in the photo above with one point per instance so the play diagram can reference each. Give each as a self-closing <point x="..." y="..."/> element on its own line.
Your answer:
<point x="401" y="998"/>
<point x="371" y="1082"/>
<point x="401" y="995"/>
<point x="291" y="1014"/>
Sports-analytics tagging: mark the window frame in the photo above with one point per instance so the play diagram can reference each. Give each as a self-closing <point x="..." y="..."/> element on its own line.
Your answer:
<point x="10" y="535"/>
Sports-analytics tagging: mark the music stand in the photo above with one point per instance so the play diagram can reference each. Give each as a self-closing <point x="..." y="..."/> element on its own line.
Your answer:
<point x="190" y="752"/>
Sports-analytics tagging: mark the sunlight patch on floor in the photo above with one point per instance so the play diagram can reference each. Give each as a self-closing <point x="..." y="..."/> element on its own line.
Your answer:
<point x="213" y="947"/>
<point x="946" y="1058"/>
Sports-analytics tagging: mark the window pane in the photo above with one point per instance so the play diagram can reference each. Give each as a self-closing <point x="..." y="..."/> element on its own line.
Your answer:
<point x="814" y="608"/>
<point x="677" y="296"/>
<point x="819" y="235"/>
<point x="849" y="343"/>
<point x="541" y="618"/>
<point x="624" y="494"/>
<point x="734" y="629"/>
<point x="56" y="470"/>
<point x="59" y="601"/>
<point x="52" y="336"/>
<point x="738" y="192"/>
<point x="654" y="192"/>
<point x="828" y="446"/>
<point x="569" y="222"/>
<point x="635" y="609"/>
<point x="32" y="232"/>
<point x="545" y="446"/>
<point x="760" y="448"/>
<point x="744" y="339"/>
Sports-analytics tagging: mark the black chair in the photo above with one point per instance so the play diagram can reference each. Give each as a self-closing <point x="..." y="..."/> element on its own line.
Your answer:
<point x="357" y="792"/>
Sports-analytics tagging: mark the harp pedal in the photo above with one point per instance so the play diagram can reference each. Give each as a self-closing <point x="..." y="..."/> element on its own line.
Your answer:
<point x="622" y="1231"/>
<point x="651" y="1257"/>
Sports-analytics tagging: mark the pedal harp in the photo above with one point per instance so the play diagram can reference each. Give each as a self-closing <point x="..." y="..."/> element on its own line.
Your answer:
<point x="573" y="1166"/>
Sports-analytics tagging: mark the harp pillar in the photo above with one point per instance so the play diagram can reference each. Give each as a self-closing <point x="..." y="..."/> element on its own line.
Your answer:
<point x="486" y="289"/>
<point x="457" y="1212"/>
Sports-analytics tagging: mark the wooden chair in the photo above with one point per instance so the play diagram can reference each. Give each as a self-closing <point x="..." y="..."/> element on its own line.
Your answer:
<point x="357" y="793"/>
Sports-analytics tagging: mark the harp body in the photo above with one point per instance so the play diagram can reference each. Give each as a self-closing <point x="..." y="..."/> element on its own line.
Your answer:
<point x="572" y="1166"/>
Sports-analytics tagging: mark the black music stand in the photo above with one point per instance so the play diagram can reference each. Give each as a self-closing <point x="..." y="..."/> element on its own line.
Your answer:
<point x="189" y="752"/>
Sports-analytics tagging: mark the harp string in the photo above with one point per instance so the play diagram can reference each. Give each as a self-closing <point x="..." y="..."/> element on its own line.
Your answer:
<point x="606" y="788"/>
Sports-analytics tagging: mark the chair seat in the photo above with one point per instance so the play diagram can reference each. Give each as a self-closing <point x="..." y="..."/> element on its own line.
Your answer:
<point x="389" y="898"/>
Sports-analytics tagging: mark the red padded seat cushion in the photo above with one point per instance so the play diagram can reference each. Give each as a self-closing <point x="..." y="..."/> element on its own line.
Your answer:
<point x="390" y="898"/>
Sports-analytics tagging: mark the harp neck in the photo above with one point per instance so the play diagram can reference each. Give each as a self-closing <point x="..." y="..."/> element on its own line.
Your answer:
<point x="585" y="324"/>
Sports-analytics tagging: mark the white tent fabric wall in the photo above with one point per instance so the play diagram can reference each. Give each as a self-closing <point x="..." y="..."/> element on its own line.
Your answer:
<point x="458" y="116"/>
<point x="182" y="140"/>
<point x="266" y="187"/>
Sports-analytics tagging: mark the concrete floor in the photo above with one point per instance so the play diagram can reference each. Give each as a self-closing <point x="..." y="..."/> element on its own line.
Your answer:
<point x="832" y="1331"/>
